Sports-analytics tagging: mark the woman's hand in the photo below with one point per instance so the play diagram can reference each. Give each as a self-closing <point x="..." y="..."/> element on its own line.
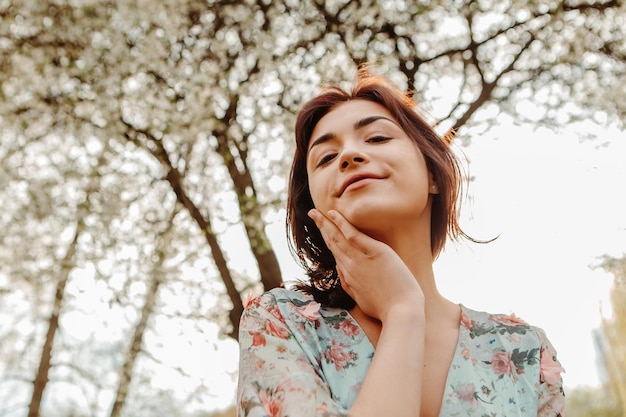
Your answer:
<point x="370" y="271"/>
<point x="384" y="288"/>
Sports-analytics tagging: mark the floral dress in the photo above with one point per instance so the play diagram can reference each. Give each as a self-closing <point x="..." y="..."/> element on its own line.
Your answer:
<point x="299" y="359"/>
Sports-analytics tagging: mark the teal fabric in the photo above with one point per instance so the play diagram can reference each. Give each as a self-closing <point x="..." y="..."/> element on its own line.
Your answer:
<point x="301" y="359"/>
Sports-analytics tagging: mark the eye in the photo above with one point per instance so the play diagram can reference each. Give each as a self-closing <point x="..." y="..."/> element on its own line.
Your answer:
<point x="326" y="159"/>
<point x="378" y="139"/>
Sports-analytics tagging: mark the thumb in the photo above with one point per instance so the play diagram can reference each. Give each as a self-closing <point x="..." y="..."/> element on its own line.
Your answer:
<point x="346" y="287"/>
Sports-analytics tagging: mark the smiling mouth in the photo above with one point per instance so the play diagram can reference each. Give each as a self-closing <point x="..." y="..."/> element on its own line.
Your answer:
<point x="357" y="181"/>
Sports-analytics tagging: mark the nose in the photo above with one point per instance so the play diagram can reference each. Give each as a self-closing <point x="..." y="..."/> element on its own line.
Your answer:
<point x="351" y="157"/>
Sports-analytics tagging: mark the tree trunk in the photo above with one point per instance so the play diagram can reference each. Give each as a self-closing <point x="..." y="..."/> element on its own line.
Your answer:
<point x="67" y="264"/>
<point x="251" y="212"/>
<point x="249" y="206"/>
<point x="614" y="330"/>
<point x="615" y="366"/>
<point x="126" y="372"/>
<point x="41" y="379"/>
<point x="175" y="179"/>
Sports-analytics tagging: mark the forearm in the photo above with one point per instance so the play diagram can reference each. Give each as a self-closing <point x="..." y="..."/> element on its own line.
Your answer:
<point x="393" y="384"/>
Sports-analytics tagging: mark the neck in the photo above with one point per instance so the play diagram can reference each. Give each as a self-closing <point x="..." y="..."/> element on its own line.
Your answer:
<point x="411" y="241"/>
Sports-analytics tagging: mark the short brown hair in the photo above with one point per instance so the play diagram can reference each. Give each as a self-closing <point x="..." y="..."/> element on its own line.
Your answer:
<point x="306" y="241"/>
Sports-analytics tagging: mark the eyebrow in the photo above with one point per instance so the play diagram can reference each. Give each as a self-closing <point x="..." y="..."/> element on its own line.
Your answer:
<point x="360" y="124"/>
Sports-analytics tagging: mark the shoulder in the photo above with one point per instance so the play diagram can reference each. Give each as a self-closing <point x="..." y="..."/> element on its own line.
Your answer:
<point x="300" y="313"/>
<point x="285" y="304"/>
<point x="286" y="295"/>
<point x="479" y="315"/>
<point x="515" y="358"/>
<point x="277" y="296"/>
<point x="508" y="328"/>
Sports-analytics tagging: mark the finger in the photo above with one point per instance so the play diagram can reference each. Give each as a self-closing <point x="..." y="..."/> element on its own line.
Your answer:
<point x="344" y="284"/>
<point x="331" y="234"/>
<point x="354" y="236"/>
<point x="327" y="229"/>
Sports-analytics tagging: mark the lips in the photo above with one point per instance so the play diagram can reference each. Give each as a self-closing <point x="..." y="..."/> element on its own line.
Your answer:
<point x="356" y="178"/>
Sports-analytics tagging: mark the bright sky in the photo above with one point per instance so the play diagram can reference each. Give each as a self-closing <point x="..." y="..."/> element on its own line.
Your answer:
<point x="557" y="203"/>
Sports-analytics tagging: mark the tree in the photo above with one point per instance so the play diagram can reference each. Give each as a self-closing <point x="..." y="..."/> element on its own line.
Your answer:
<point x="149" y="305"/>
<point x="67" y="264"/>
<point x="613" y="350"/>
<point x="143" y="74"/>
<point x="591" y="402"/>
<point x="193" y="102"/>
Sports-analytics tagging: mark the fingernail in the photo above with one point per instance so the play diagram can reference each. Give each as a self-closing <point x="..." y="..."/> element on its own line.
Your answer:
<point x="313" y="214"/>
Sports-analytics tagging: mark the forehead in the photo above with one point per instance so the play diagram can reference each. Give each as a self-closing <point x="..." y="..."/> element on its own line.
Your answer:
<point x="345" y="115"/>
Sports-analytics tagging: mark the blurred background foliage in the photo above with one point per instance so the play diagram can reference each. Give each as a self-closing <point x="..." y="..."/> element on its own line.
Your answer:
<point x="139" y="139"/>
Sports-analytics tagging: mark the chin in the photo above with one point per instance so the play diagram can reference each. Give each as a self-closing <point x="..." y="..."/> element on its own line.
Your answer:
<point x="370" y="220"/>
<point x="377" y="219"/>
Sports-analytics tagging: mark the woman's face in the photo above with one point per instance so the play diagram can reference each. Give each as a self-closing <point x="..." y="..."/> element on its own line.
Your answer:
<point x="361" y="163"/>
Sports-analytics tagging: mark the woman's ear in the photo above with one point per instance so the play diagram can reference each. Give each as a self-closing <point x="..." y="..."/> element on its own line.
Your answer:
<point x="432" y="185"/>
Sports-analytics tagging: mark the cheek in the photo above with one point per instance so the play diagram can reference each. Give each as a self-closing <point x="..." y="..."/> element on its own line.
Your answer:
<point x="312" y="189"/>
<point x="317" y="192"/>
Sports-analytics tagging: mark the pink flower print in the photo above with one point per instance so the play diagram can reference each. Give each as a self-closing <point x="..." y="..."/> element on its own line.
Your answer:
<point x="338" y="355"/>
<point x="466" y="321"/>
<point x="465" y="353"/>
<point x="272" y="404"/>
<point x="508" y="320"/>
<point x="556" y="407"/>
<point x="468" y="355"/>
<point x="258" y="339"/>
<point x="276" y="330"/>
<point x="349" y="328"/>
<point x="466" y="392"/>
<point x="550" y="370"/>
<point x="310" y="311"/>
<point x="501" y="364"/>
<point x="275" y="312"/>
<point x="249" y="299"/>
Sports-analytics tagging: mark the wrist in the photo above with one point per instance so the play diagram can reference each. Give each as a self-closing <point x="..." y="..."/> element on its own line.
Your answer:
<point x="405" y="313"/>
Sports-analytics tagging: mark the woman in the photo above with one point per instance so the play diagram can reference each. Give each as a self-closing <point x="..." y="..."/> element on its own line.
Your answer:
<point x="372" y="197"/>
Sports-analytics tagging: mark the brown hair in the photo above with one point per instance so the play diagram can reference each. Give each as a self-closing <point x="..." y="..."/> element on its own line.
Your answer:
<point x="306" y="242"/>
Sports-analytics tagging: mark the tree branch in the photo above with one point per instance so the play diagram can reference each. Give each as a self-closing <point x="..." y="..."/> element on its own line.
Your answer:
<point x="175" y="179"/>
